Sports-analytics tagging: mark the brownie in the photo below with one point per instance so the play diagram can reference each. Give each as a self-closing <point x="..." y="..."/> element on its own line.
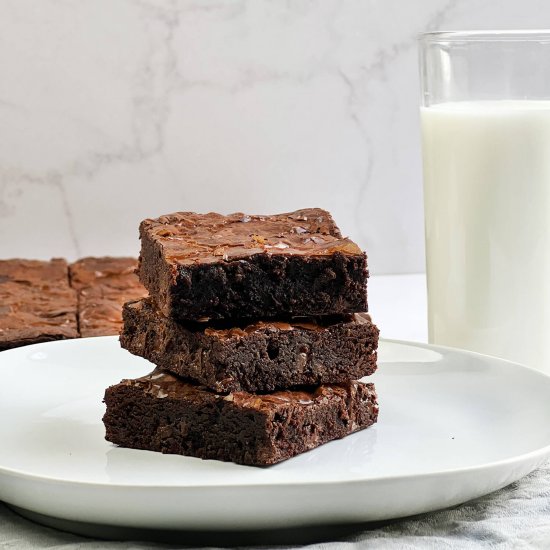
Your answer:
<point x="103" y="286"/>
<point x="160" y="412"/>
<point x="209" y="266"/>
<point x="36" y="302"/>
<point x="262" y="356"/>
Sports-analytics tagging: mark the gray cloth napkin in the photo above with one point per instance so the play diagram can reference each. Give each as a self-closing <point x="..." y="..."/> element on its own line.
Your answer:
<point x="517" y="517"/>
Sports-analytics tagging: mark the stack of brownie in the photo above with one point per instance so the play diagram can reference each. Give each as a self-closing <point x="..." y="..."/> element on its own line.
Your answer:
<point x="257" y="327"/>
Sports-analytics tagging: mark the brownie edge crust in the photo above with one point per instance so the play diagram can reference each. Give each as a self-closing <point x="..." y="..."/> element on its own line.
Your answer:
<point x="210" y="266"/>
<point x="160" y="412"/>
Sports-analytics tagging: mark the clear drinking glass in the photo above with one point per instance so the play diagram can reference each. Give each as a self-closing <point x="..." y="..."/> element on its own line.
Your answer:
<point x="486" y="154"/>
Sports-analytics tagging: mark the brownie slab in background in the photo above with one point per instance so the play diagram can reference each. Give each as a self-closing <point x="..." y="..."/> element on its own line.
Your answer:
<point x="160" y="412"/>
<point x="263" y="356"/>
<point x="209" y="266"/>
<point x="36" y="302"/>
<point x="103" y="285"/>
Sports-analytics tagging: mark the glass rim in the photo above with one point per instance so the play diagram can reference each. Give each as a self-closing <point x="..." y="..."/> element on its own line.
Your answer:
<point x="511" y="35"/>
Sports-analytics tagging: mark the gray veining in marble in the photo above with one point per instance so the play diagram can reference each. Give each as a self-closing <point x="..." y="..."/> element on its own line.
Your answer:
<point x="112" y="112"/>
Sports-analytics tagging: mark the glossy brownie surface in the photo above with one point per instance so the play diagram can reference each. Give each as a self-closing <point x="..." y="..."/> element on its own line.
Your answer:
<point x="190" y="238"/>
<point x="36" y="302"/>
<point x="103" y="285"/>
<point x="51" y="300"/>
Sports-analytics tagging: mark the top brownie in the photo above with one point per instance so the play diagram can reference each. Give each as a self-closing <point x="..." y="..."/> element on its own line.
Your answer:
<point x="36" y="302"/>
<point x="209" y="266"/>
<point x="103" y="285"/>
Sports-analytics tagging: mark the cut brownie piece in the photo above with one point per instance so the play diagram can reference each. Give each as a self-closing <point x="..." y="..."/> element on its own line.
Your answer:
<point x="208" y="266"/>
<point x="103" y="286"/>
<point x="36" y="302"/>
<point x="160" y="412"/>
<point x="262" y="356"/>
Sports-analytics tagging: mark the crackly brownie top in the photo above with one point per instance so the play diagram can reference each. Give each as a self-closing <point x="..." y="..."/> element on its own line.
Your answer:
<point x="187" y="237"/>
<point x="313" y="324"/>
<point x="104" y="284"/>
<point x="27" y="272"/>
<point x="35" y="299"/>
<point x="117" y="273"/>
<point x="160" y="384"/>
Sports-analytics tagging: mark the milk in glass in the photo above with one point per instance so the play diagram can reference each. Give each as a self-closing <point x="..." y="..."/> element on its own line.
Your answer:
<point x="487" y="209"/>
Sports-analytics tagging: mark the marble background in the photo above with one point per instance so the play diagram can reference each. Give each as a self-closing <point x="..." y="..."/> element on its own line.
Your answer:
<point x="116" y="110"/>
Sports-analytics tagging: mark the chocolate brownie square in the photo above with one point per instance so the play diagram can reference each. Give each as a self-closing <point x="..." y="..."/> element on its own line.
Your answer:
<point x="161" y="412"/>
<point x="258" y="357"/>
<point x="103" y="285"/>
<point x="209" y="266"/>
<point x="36" y="302"/>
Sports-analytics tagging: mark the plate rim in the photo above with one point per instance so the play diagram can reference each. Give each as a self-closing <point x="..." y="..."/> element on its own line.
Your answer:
<point x="531" y="456"/>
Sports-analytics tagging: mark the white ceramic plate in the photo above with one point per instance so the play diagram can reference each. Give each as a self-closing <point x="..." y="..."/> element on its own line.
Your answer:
<point x="453" y="426"/>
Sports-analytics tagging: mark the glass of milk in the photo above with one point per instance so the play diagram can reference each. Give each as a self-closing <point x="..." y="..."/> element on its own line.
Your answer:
<point x="486" y="154"/>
